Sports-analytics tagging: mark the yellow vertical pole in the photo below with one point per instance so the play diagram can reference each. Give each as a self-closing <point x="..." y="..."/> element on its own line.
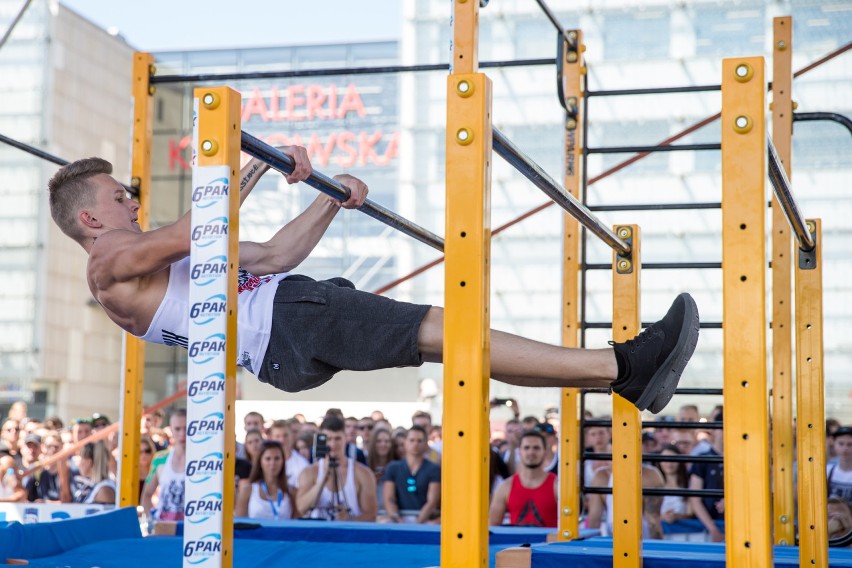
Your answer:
<point x="571" y="437"/>
<point x="810" y="395"/>
<point x="746" y="417"/>
<point x="134" y="348"/>
<point x="464" y="523"/>
<point x="219" y="123"/>
<point x="782" y="321"/>
<point x="626" y="420"/>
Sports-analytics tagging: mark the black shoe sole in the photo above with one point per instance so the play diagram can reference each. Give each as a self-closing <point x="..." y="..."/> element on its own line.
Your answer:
<point x="664" y="382"/>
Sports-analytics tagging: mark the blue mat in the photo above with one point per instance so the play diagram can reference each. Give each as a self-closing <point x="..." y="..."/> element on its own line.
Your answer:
<point x="597" y="553"/>
<point x="45" y="539"/>
<point x="323" y="531"/>
<point x="166" y="552"/>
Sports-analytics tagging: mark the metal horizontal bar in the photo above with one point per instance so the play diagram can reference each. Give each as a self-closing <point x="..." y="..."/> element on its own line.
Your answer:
<point x="666" y="148"/>
<point x="784" y="194"/>
<point x="51" y="158"/>
<point x="658" y="491"/>
<point x="550" y="16"/>
<point x="660" y="424"/>
<point x="336" y="71"/>
<point x="654" y="91"/>
<point x="659" y="265"/>
<point x="656" y="206"/>
<point x="533" y="172"/>
<point x="655" y="458"/>
<point x="832" y="116"/>
<point x="682" y="391"/>
<point x="284" y="164"/>
<point x="608" y="325"/>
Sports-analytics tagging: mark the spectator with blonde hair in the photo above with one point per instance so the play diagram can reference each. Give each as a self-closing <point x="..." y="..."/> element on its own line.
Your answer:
<point x="93" y="484"/>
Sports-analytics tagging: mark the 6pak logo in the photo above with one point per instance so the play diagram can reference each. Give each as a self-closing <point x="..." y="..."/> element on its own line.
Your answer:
<point x="206" y="428"/>
<point x="202" y="549"/>
<point x="207" y="466"/>
<point x="203" y="390"/>
<point x="206" y="195"/>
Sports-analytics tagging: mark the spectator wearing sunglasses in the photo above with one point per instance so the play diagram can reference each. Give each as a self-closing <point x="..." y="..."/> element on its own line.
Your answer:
<point x="412" y="486"/>
<point x="146" y="455"/>
<point x="49" y="484"/>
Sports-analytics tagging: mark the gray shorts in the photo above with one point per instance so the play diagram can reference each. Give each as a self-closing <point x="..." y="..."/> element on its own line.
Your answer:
<point x="320" y="328"/>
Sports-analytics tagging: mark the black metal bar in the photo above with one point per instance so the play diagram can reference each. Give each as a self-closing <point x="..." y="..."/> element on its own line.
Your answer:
<point x="33" y="150"/>
<point x="608" y="325"/>
<point x="658" y="491"/>
<point x="550" y="16"/>
<point x="533" y="172"/>
<point x="682" y="391"/>
<point x="833" y="116"/>
<point x="336" y="71"/>
<point x="659" y="265"/>
<point x="655" y="458"/>
<point x="656" y="206"/>
<point x="51" y="158"/>
<point x="284" y="163"/>
<point x="784" y="194"/>
<point x="659" y="424"/>
<point x="666" y="148"/>
<point x="654" y="91"/>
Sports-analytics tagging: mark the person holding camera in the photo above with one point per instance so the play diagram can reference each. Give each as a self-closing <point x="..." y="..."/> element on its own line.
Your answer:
<point x="412" y="486"/>
<point x="335" y="487"/>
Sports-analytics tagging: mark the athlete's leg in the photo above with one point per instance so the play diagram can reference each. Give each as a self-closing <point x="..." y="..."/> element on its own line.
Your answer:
<point x="521" y="361"/>
<point x="645" y="370"/>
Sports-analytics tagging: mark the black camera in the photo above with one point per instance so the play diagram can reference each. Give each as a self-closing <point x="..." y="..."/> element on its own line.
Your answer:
<point x="320" y="446"/>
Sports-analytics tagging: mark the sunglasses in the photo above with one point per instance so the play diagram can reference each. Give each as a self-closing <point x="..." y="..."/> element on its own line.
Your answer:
<point x="365" y="427"/>
<point x="146" y="451"/>
<point x="11" y="429"/>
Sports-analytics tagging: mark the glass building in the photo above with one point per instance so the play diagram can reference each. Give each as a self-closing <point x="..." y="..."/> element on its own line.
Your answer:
<point x="389" y="130"/>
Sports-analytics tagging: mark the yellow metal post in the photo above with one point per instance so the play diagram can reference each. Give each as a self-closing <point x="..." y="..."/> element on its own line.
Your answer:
<point x="571" y="444"/>
<point x="464" y="523"/>
<point x="626" y="420"/>
<point x="782" y="323"/>
<point x="810" y="394"/>
<point x="134" y="348"/>
<point x="746" y="417"/>
<point x="219" y="122"/>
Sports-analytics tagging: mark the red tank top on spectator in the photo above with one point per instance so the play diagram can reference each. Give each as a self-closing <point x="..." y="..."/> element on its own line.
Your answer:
<point x="532" y="507"/>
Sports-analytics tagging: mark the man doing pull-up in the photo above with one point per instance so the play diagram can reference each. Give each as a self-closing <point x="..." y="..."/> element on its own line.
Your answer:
<point x="296" y="333"/>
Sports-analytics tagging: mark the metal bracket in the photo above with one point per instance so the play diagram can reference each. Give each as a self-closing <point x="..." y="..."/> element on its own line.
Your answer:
<point x="808" y="259"/>
<point x="567" y="53"/>
<point x="624" y="264"/>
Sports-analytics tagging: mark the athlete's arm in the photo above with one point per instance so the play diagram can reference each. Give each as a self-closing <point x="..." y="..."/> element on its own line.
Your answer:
<point x="254" y="170"/>
<point x="296" y="240"/>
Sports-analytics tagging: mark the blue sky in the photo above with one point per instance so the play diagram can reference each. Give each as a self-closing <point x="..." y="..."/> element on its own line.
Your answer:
<point x="161" y="25"/>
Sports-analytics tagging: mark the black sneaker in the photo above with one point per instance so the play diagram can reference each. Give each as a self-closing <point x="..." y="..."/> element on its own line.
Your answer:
<point x="650" y="364"/>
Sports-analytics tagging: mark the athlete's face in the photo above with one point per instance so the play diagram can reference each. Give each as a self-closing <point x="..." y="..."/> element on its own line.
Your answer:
<point x="532" y="452"/>
<point x="113" y="207"/>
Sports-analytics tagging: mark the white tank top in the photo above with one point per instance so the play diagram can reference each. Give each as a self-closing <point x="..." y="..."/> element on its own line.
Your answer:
<point x="259" y="507"/>
<point x="172" y="486"/>
<point x="170" y="325"/>
<point x="348" y="495"/>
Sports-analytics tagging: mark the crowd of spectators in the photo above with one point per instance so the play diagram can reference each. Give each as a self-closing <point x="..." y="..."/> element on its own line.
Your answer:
<point x="366" y="469"/>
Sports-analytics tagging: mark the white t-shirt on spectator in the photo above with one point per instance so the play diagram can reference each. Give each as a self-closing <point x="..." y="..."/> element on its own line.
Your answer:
<point x="839" y="482"/>
<point x="294" y="466"/>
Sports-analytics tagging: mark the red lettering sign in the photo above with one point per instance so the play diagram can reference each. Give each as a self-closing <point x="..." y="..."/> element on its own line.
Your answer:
<point x="303" y="102"/>
<point x="343" y="149"/>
